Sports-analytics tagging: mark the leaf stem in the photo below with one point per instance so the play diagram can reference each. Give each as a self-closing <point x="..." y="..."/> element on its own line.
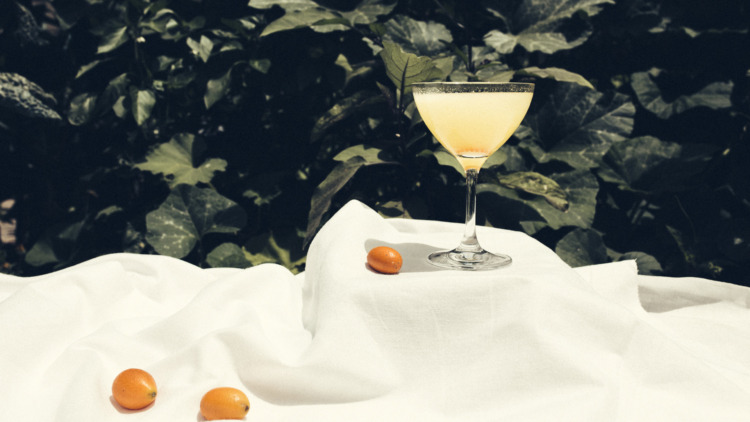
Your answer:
<point x="637" y="211"/>
<point x="687" y="217"/>
<point x="400" y="125"/>
<point x="469" y="51"/>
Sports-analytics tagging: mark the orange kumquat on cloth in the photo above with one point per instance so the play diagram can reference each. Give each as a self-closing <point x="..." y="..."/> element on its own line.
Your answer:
<point x="134" y="389"/>
<point x="224" y="403"/>
<point x="384" y="260"/>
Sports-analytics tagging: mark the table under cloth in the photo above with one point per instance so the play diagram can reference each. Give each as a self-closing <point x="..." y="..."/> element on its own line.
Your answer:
<point x="536" y="341"/>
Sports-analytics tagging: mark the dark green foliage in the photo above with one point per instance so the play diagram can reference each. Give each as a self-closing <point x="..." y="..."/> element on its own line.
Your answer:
<point x="226" y="133"/>
<point x="24" y="97"/>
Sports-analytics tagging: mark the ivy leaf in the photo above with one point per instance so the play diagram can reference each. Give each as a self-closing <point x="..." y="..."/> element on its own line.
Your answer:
<point x="367" y="12"/>
<point x="261" y="65"/>
<point x="113" y="39"/>
<point x="217" y="88"/>
<point x="445" y="158"/>
<point x="497" y="158"/>
<point x="81" y="109"/>
<point x="352" y="71"/>
<point x="167" y="23"/>
<point x="544" y="42"/>
<point x="540" y="26"/>
<point x="87" y="67"/>
<point x="117" y="88"/>
<point x="324" y="193"/>
<point x="417" y="37"/>
<point x="557" y="74"/>
<point x="580" y="188"/>
<point x="318" y="19"/>
<point x="180" y="80"/>
<point x="577" y="125"/>
<point x="142" y="102"/>
<point x="371" y="155"/>
<point x="357" y="102"/>
<point x="684" y="244"/>
<point x="306" y="13"/>
<point x="288" y="5"/>
<point x="177" y="159"/>
<point x="391" y="209"/>
<point x="266" y="248"/>
<point x="582" y="247"/>
<point x="647" y="164"/>
<point x="716" y="95"/>
<point x="227" y="255"/>
<point x="201" y="48"/>
<point x="187" y="215"/>
<point x="120" y="108"/>
<point x="405" y="69"/>
<point x="500" y="41"/>
<point x="647" y="264"/>
<point x="108" y="211"/>
<point x="492" y="72"/>
<point x="57" y="245"/>
<point x="536" y="184"/>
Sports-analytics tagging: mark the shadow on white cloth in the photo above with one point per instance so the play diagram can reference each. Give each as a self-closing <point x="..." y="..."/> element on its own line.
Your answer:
<point x="537" y="341"/>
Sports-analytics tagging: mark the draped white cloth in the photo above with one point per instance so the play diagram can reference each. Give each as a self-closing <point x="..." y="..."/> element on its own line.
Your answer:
<point x="537" y="341"/>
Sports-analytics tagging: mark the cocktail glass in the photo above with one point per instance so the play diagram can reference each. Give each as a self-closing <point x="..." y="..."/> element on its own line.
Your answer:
<point x="472" y="120"/>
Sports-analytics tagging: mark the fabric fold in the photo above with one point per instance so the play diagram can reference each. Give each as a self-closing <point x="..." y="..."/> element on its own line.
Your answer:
<point x="536" y="341"/>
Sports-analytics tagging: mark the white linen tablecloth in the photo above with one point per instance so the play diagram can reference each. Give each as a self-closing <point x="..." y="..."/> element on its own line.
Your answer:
<point x="537" y="341"/>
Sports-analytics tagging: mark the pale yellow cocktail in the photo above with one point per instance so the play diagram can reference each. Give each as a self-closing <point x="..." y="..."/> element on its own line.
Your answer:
<point x="472" y="125"/>
<point x="471" y="120"/>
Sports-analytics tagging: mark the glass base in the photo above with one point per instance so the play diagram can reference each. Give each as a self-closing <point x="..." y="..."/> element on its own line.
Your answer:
<point x="473" y="261"/>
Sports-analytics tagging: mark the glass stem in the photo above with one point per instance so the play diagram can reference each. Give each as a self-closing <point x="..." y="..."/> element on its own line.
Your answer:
<point x="470" y="243"/>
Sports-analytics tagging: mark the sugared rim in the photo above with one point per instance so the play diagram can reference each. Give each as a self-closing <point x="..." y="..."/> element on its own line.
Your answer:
<point x="473" y="86"/>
